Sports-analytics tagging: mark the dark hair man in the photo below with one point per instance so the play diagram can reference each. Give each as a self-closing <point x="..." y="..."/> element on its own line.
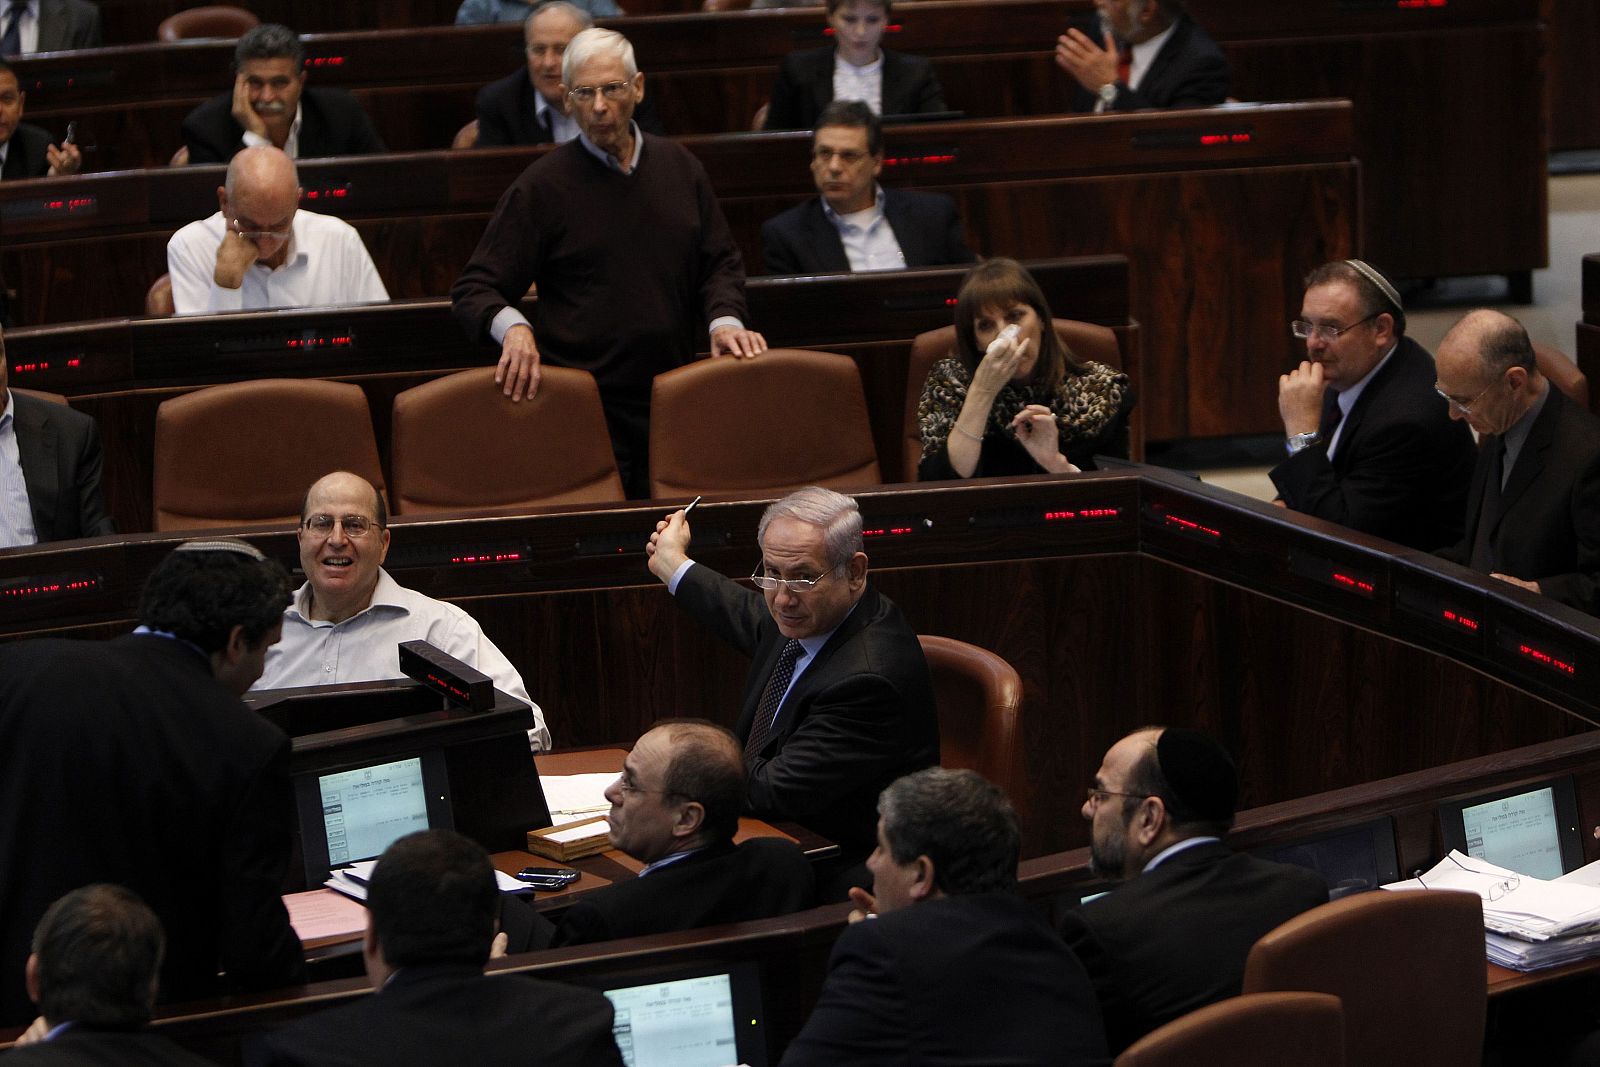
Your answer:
<point x="432" y="904"/>
<point x="93" y="974"/>
<point x="952" y="966"/>
<point x="271" y="105"/>
<point x="857" y="224"/>
<point x="1371" y="445"/>
<point x="1142" y="54"/>
<point x="144" y="768"/>
<point x="1174" y="937"/>
<point x="1533" y="513"/>
<point x="26" y="151"/>
<point x="675" y="808"/>
<point x="49" y="26"/>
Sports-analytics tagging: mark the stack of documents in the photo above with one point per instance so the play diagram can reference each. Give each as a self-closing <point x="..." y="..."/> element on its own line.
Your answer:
<point x="352" y="880"/>
<point x="1529" y="923"/>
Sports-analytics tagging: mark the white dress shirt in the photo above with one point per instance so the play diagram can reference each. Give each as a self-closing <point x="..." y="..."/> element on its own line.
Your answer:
<point x="291" y="144"/>
<point x="868" y="239"/>
<point x="859" y="83"/>
<point x="563" y="128"/>
<point x="27" y="29"/>
<point x="16" y="514"/>
<point x="1347" y="399"/>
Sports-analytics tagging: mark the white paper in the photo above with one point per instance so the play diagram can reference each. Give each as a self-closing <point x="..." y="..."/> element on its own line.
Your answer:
<point x="352" y="880"/>
<point x="575" y="797"/>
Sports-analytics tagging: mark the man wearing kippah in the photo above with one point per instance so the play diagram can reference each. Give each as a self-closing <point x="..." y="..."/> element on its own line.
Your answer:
<point x="1174" y="937"/>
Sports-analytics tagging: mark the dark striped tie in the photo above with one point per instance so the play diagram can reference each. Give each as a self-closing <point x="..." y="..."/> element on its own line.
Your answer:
<point x="771" y="697"/>
<point x="11" y="39"/>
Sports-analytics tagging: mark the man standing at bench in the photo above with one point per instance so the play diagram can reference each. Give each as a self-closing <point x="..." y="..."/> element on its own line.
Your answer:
<point x="622" y="233"/>
<point x="1142" y="54"/>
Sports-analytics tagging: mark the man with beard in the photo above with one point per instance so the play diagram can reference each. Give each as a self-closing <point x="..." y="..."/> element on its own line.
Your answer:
<point x="1174" y="937"/>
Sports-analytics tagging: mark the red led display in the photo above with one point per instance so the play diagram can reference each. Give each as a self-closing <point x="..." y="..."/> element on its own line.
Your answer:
<point x="1190" y="525"/>
<point x="1082" y="513"/>
<point x="1224" y="138"/>
<point x="72" y="205"/>
<point x="1466" y="622"/>
<point x="26" y="592"/>
<point x="893" y="27"/>
<point x="1404" y="4"/>
<point x="37" y="365"/>
<point x="930" y="160"/>
<point x="1360" y="585"/>
<point x="490" y="557"/>
<point x="1545" y="659"/>
<point x="888" y="531"/>
<point x="324" y="61"/>
<point x="338" y="192"/>
<point x="308" y="343"/>
<point x="447" y="685"/>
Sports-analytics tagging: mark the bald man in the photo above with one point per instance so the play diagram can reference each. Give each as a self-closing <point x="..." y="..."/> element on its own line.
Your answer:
<point x="260" y="251"/>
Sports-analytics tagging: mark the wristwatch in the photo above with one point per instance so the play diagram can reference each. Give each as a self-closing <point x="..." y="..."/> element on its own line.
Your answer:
<point x="1301" y="441"/>
<point x="1108" y="93"/>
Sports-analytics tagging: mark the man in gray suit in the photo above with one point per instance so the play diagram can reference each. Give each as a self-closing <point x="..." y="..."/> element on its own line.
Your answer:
<point x="48" y="26"/>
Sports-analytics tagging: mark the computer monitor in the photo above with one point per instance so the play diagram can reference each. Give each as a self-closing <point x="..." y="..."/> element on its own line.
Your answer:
<point x="1352" y="860"/>
<point x="708" y="1015"/>
<point x="354" y="813"/>
<point x="1530" y="829"/>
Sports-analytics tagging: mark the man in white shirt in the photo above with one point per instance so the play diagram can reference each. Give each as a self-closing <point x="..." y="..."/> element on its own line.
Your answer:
<point x="260" y="251"/>
<point x="346" y="623"/>
<point x="1142" y="54"/>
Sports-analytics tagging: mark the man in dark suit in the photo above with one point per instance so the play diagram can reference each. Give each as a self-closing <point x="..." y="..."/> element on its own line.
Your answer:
<point x="838" y="703"/>
<point x="48" y="26"/>
<point x="950" y="966"/>
<point x="1174" y="937"/>
<point x="26" y="151"/>
<point x="1142" y="54"/>
<point x="271" y="105"/>
<point x="155" y="717"/>
<point x="1371" y="445"/>
<point x="1533" y="513"/>
<point x="854" y="68"/>
<point x="50" y="463"/>
<point x="856" y="224"/>
<point x="431" y="908"/>
<point x="93" y="972"/>
<point x="675" y="808"/>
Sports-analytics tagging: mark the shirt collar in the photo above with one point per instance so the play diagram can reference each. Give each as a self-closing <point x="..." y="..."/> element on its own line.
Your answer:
<point x="387" y="594"/>
<point x="5" y="149"/>
<point x="1515" y="437"/>
<point x="1172" y="850"/>
<point x="870" y="68"/>
<point x="1145" y="52"/>
<point x="664" y="860"/>
<point x="6" y="414"/>
<point x="814" y="643"/>
<point x="1348" y="398"/>
<point x="838" y="219"/>
<point x="610" y="161"/>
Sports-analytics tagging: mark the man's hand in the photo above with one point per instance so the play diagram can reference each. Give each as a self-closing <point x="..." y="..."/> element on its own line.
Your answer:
<point x="669" y="546"/>
<point x="1300" y="398"/>
<point x="518" y="371"/>
<point x="866" y="905"/>
<point x="1092" y="65"/>
<point x="740" y="344"/>
<point x="34" y="1033"/>
<point x="243" y="113"/>
<point x="234" y="257"/>
<point x="1532" y="587"/>
<point x="1035" y="427"/>
<point x="497" y="947"/>
<point x="64" y="160"/>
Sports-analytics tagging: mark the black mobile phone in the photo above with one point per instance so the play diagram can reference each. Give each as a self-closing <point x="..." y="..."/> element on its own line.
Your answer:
<point x="547" y="877"/>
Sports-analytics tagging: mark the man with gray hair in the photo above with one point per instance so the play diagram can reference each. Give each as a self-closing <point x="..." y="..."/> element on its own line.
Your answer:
<point x="1533" y="513"/>
<point x="259" y="250"/>
<point x="838" y="702"/>
<point x="950" y="942"/>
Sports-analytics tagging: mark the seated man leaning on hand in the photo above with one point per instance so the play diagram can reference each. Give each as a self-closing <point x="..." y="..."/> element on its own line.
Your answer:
<point x="260" y="251"/>
<point x="346" y="623"/>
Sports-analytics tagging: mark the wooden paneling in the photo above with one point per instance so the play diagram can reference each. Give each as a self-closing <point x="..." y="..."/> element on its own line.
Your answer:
<point x="1572" y="37"/>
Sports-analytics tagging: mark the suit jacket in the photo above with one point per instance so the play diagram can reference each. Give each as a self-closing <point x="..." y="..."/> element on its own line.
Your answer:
<point x="1402" y="466"/>
<point x="1175" y="939"/>
<point x="1189" y="71"/>
<point x="61" y="460"/>
<point x="926" y="225"/>
<point x="508" y="113"/>
<point x="724" y="883"/>
<point x="26" y="157"/>
<point x="957" y="980"/>
<point x="451" y="1013"/>
<point x="805" y="86"/>
<point x="332" y="123"/>
<point x="1549" y="527"/>
<point x="860" y="716"/>
<point x="65" y="24"/>
<point x="79" y="1045"/>
<point x="200" y="784"/>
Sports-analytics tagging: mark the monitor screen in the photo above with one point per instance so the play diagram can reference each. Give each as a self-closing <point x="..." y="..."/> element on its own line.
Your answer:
<point x="709" y="1017"/>
<point x="1350" y="861"/>
<point x="354" y="813"/>
<point x="1533" y="831"/>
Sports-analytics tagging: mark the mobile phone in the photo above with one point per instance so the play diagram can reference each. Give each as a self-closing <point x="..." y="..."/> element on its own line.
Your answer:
<point x="547" y="877"/>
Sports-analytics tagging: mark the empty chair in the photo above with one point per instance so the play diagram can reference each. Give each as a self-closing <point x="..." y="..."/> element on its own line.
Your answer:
<point x="1562" y="372"/>
<point x="1409" y="967"/>
<point x="978" y="697"/>
<point x="1259" y="1030"/>
<point x="213" y="20"/>
<point x="158" y="299"/>
<point x="245" y="454"/>
<point x="466" y="136"/>
<point x="786" y="419"/>
<point x="459" y="443"/>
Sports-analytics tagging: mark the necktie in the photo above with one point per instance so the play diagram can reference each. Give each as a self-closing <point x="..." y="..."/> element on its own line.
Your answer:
<point x="1124" y="64"/>
<point x="11" y="39"/>
<point x="771" y="697"/>
<point x="1332" y="415"/>
<point x="1489" y="512"/>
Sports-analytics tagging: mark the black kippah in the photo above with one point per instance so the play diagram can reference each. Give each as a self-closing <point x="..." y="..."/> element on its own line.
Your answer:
<point x="1200" y="772"/>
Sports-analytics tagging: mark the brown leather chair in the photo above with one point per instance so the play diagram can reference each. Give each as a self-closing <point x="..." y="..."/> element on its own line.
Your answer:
<point x="244" y="454"/>
<point x="1562" y="372"/>
<point x="180" y="158"/>
<point x="1260" y="1030"/>
<point x="214" y="20"/>
<point x="978" y="697"/>
<point x="1085" y="339"/>
<point x="466" y="136"/>
<point x="786" y="419"/>
<point x="725" y="5"/>
<point x="158" y="298"/>
<point x="1409" y="967"/>
<point x="458" y="443"/>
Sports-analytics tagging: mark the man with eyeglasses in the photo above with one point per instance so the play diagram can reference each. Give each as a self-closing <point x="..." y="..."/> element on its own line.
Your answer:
<point x="1370" y="445"/>
<point x="857" y="224"/>
<point x="346" y="623"/>
<point x="838" y="702"/>
<point x="622" y="233"/>
<point x="1174" y="936"/>
<point x="1533" y="515"/>
<point x="261" y="251"/>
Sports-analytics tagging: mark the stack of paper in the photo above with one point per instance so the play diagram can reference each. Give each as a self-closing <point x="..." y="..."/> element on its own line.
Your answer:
<point x="352" y="880"/>
<point x="576" y="797"/>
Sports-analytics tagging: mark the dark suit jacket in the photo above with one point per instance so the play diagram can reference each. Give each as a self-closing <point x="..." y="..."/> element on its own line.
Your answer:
<point x="1549" y="528"/>
<point x="957" y="980"/>
<point x="805" y="86"/>
<point x="61" y="460"/>
<point x="860" y="716"/>
<point x="1402" y="467"/>
<point x="332" y="123"/>
<point x="803" y="241"/>
<point x="65" y="24"/>
<point x="451" y="1013"/>
<point x="203" y="815"/>
<point x="1175" y="939"/>
<point x="77" y="1046"/>
<point x="26" y="157"/>
<point x="1189" y="71"/>
<point x="724" y="883"/>
<point x="508" y="113"/>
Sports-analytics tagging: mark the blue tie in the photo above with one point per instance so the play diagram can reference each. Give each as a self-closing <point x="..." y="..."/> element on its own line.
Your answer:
<point x="11" y="40"/>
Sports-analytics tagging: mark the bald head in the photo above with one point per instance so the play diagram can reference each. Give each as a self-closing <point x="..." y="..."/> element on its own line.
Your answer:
<point x="1486" y="366"/>
<point x="344" y="539"/>
<point x="548" y="31"/>
<point x="259" y="199"/>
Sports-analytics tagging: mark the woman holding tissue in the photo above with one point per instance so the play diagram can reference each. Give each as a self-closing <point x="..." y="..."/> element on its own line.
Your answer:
<point x="1013" y="399"/>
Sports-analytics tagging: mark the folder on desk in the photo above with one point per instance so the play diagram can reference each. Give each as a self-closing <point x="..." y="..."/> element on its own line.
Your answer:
<point x="582" y="838"/>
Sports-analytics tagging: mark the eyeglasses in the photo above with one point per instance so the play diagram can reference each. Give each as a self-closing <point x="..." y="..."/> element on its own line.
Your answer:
<point x="260" y="235"/>
<point x="849" y="156"/>
<point x="353" y="525"/>
<point x="1493" y="892"/>
<point x="764" y="580"/>
<point x="1307" y="330"/>
<point x="1097" y="797"/>
<point x="613" y="91"/>
<point x="1464" y="406"/>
